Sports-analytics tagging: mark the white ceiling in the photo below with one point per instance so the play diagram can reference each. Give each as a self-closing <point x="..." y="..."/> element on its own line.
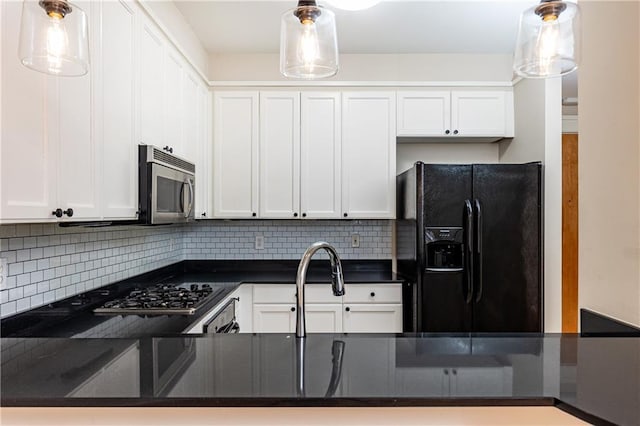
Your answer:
<point x="393" y="26"/>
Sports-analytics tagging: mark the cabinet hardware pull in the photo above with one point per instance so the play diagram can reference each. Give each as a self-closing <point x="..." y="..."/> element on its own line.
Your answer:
<point x="254" y="214"/>
<point x="68" y="212"/>
<point x="293" y="309"/>
<point x="446" y="132"/>
<point x="345" y="215"/>
<point x="295" y="215"/>
<point x="455" y="132"/>
<point x="204" y="214"/>
<point x="57" y="212"/>
<point x="373" y="294"/>
<point x="347" y="309"/>
<point x="304" y="215"/>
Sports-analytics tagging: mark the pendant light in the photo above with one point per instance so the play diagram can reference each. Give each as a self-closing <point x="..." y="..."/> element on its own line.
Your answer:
<point x="53" y="38"/>
<point x="353" y="4"/>
<point x="308" y="42"/>
<point x="548" y="43"/>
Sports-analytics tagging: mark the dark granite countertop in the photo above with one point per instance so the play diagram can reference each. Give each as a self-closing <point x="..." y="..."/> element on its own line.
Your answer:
<point x="74" y="317"/>
<point x="595" y="378"/>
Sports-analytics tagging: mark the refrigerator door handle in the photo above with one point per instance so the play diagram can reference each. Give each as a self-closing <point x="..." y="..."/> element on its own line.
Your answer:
<point x="469" y="248"/>
<point x="478" y="264"/>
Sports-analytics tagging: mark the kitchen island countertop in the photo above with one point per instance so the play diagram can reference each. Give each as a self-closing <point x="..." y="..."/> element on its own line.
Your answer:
<point x="595" y="378"/>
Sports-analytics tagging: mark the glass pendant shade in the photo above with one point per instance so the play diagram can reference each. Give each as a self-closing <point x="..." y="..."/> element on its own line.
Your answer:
<point x="352" y="4"/>
<point x="548" y="43"/>
<point x="308" y="42"/>
<point x="54" y="38"/>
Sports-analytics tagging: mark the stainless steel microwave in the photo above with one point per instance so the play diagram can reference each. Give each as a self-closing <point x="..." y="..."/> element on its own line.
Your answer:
<point x="166" y="187"/>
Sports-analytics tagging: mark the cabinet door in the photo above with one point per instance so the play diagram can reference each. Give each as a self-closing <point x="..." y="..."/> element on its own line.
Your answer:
<point x="424" y="113"/>
<point x="478" y="113"/>
<point x="151" y="84"/>
<point x="368" y="154"/>
<point x="320" y="148"/>
<point x="115" y="64"/>
<point x="274" y="318"/>
<point x="235" y="154"/>
<point x="372" y="318"/>
<point x="77" y="153"/>
<point x="323" y="317"/>
<point x="173" y="103"/>
<point x="279" y="155"/>
<point x="203" y="154"/>
<point x="27" y="147"/>
<point x="190" y="108"/>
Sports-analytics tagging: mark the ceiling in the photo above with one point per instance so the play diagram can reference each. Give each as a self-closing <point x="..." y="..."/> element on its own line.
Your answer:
<point x="392" y="26"/>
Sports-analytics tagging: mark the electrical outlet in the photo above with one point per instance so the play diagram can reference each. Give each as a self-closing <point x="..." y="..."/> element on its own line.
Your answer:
<point x="3" y="272"/>
<point x="355" y="240"/>
<point x="259" y="242"/>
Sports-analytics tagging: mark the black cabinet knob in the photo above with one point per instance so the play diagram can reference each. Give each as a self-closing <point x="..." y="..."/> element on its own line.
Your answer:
<point x="373" y="294"/>
<point x="254" y="214"/>
<point x="345" y="215"/>
<point x="347" y="309"/>
<point x="293" y="309"/>
<point x="295" y="215"/>
<point x="168" y="149"/>
<point x="68" y="212"/>
<point x="455" y="132"/>
<point x="304" y="215"/>
<point x="204" y="214"/>
<point x="446" y="132"/>
<point x="57" y="212"/>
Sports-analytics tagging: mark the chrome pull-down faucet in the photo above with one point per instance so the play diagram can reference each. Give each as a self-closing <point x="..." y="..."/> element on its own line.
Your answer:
<point x="337" y="280"/>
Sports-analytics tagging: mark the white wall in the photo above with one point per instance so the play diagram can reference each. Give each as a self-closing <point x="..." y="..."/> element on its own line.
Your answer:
<point x="371" y="67"/>
<point x="445" y="153"/>
<point x="538" y="129"/>
<point x="167" y="15"/>
<point x="608" y="162"/>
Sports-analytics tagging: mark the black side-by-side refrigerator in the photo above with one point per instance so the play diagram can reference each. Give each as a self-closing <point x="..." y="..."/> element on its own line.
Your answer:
<point x="469" y="239"/>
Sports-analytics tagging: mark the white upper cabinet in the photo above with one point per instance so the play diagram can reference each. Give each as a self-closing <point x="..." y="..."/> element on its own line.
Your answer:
<point x="151" y="84"/>
<point x="28" y="150"/>
<point x="279" y="149"/>
<point x="173" y="103"/>
<point x="479" y="113"/>
<point x="235" y="154"/>
<point x="203" y="154"/>
<point x="320" y="155"/>
<point x="424" y="113"/>
<point x="48" y="148"/>
<point x="368" y="154"/>
<point x="115" y="67"/>
<point x="456" y="114"/>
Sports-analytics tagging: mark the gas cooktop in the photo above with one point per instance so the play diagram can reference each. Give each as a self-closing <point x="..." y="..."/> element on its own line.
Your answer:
<point x="162" y="299"/>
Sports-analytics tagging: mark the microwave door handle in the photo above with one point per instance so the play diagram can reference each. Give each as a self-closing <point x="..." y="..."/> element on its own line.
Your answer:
<point x="191" y="198"/>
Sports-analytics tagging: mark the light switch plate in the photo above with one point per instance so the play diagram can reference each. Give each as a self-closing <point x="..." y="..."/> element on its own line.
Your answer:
<point x="4" y="266"/>
<point x="355" y="240"/>
<point x="259" y="242"/>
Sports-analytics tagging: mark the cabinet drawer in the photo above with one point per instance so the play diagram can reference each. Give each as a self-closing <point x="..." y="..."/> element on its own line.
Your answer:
<point x="286" y="293"/>
<point x="373" y="293"/>
<point x="274" y="293"/>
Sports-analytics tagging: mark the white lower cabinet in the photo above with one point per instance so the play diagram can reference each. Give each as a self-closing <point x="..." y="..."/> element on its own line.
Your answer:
<point x="274" y="318"/>
<point x="366" y="308"/>
<point x="372" y="318"/>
